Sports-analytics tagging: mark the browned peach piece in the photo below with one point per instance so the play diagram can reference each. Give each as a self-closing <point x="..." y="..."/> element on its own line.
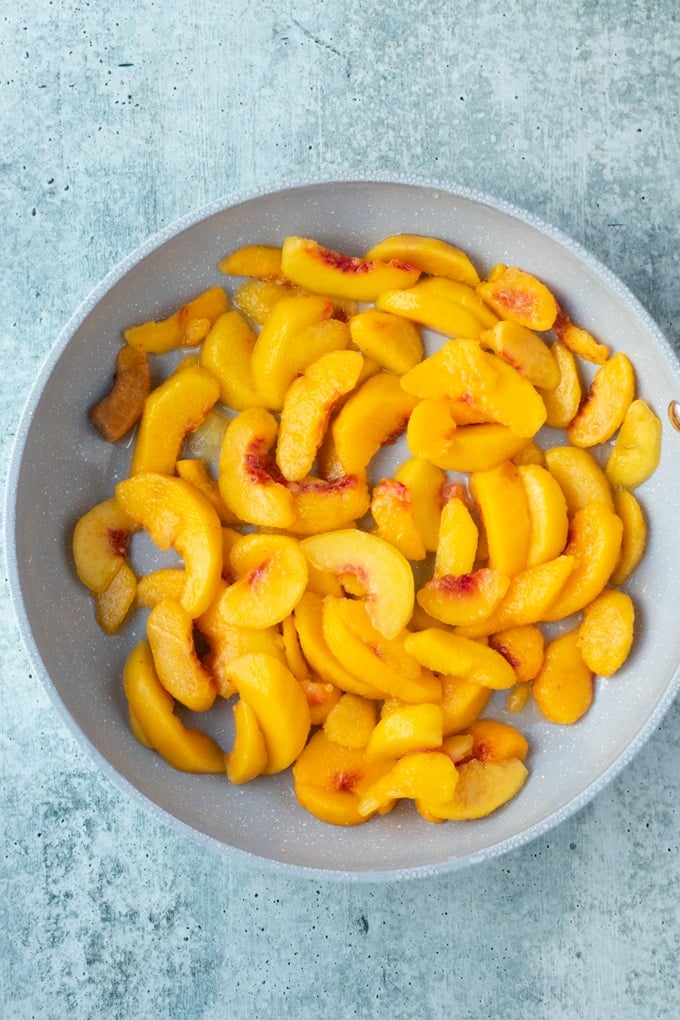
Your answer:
<point x="517" y="295"/>
<point x="606" y="633"/>
<point x="563" y="690"/>
<point x="604" y="408"/>
<point x="563" y="401"/>
<point x="578" y="340"/>
<point x="122" y="407"/>
<point x="170" y="633"/>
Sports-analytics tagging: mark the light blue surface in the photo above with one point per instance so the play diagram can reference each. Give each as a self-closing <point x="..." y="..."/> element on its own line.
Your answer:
<point x="118" y="120"/>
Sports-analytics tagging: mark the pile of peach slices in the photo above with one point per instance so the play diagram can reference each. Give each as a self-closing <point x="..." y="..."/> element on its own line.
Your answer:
<point x="358" y="625"/>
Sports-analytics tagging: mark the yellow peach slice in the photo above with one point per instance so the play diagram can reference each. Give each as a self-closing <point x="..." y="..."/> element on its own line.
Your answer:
<point x="459" y="599"/>
<point x="188" y="750"/>
<point x="431" y="309"/>
<point x="409" y="728"/>
<point x="578" y="340"/>
<point x="458" y="539"/>
<point x="517" y="295"/>
<point x="433" y="434"/>
<point x="226" y="353"/>
<point x="100" y="543"/>
<point x="605" y="636"/>
<point x="393" y="512"/>
<point x="248" y="756"/>
<point x="580" y="477"/>
<point x="634" y="540"/>
<point x="165" y="583"/>
<point x="307" y="407"/>
<point x="195" y="471"/>
<point x="381" y="569"/>
<point x="351" y="721"/>
<point x="169" y="630"/>
<point x="374" y="416"/>
<point x="175" y="514"/>
<point x="563" y="401"/>
<point x="172" y="410"/>
<point x="425" y="483"/>
<point x="272" y="577"/>
<point x="444" y="652"/>
<point x="563" y="689"/>
<point x="525" y="350"/>
<point x="523" y="647"/>
<point x="496" y="741"/>
<point x="112" y="605"/>
<point x="502" y="502"/>
<point x="461" y="294"/>
<point x="279" y="705"/>
<point x="604" y="408"/>
<point x="310" y="343"/>
<point x="426" y="777"/>
<point x="482" y="788"/>
<point x="324" y="271"/>
<point x="244" y="477"/>
<point x="548" y="516"/>
<point x="458" y="746"/>
<point x="637" y="450"/>
<point x="429" y="254"/>
<point x="295" y="660"/>
<point x="184" y="328"/>
<point x="462" y="702"/>
<point x="256" y="298"/>
<point x="320" y="506"/>
<point x="263" y="261"/>
<point x="391" y="340"/>
<point x="115" y="414"/>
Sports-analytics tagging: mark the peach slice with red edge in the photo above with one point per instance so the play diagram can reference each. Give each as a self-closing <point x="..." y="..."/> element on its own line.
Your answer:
<point x="563" y="401"/>
<point x="272" y="575"/>
<point x="425" y="483"/>
<point x="523" y="647"/>
<point x="459" y="599"/>
<point x="634" y="540"/>
<point x="431" y="309"/>
<point x="244" y="477"/>
<point x="482" y="788"/>
<point x="393" y="512"/>
<point x="548" y="515"/>
<point x="392" y="341"/>
<point x="381" y="569"/>
<point x="307" y="407"/>
<point x="580" y="477"/>
<point x="604" y="408"/>
<point x="115" y="414"/>
<point x="563" y="689"/>
<point x="172" y="410"/>
<point x="502" y="502"/>
<point x="430" y="254"/>
<point x="434" y="435"/>
<point x="327" y="506"/>
<point x="114" y="603"/>
<point x="279" y="705"/>
<point x="324" y="271"/>
<point x="152" y="708"/>
<point x="496" y="741"/>
<point x="248" y="756"/>
<point x="524" y="350"/>
<point x="226" y="353"/>
<point x="100" y="543"/>
<point x="426" y="777"/>
<point x="637" y="450"/>
<point x="444" y="652"/>
<point x="351" y="721"/>
<point x="372" y="417"/>
<point x="517" y="295"/>
<point x="605" y="636"/>
<point x="186" y="327"/>
<point x="462" y="702"/>
<point x="406" y="729"/>
<point x="262" y="261"/>
<point x="169" y="630"/>
<point x="176" y="515"/>
<point x="578" y="340"/>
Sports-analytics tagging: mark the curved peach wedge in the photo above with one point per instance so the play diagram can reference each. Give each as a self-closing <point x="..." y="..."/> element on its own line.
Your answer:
<point x="605" y="636"/>
<point x="112" y="605"/>
<point x="496" y="741"/>
<point x="374" y="416"/>
<point x="169" y="630"/>
<point x="323" y="271"/>
<point x="523" y="647"/>
<point x="563" y="400"/>
<point x="100" y="543"/>
<point x="578" y="340"/>
<point x="272" y="577"/>
<point x="263" y="261"/>
<point x="517" y="295"/>
<point x="431" y="309"/>
<point x="433" y="434"/>
<point x="351" y="721"/>
<point x="406" y="729"/>
<point x="580" y="477"/>
<point x="244" y="476"/>
<point x="444" y="652"/>
<point x="425" y="483"/>
<point x="525" y="350"/>
<point x="393" y="512"/>
<point x="248" y="756"/>
<point x="458" y="539"/>
<point x="482" y="788"/>
<point x="115" y="414"/>
<point x="327" y="506"/>
<point x="308" y="617"/>
<point x="604" y="408"/>
<point x="459" y="599"/>
<point x="563" y="689"/>
<point x="427" y="777"/>
<point x="429" y="254"/>
<point x="226" y="353"/>
<point x="175" y="514"/>
<point x="184" y="328"/>
<point x="392" y="341"/>
<point x="634" y="540"/>
<point x="461" y="294"/>
<point x="637" y="450"/>
<point x="502" y="502"/>
<point x="548" y="516"/>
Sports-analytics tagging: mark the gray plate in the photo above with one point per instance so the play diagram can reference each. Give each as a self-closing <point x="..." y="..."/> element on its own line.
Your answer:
<point x="60" y="468"/>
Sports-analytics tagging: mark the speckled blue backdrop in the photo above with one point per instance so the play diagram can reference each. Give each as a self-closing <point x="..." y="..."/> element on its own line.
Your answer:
<point x="116" y="119"/>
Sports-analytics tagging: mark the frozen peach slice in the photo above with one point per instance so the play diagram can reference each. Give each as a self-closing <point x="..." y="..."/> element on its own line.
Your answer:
<point x="100" y="543"/>
<point x="580" y="477"/>
<point x="502" y="502"/>
<point x="517" y="295"/>
<point x="433" y="434"/>
<point x="324" y="271"/>
<point x="288" y="317"/>
<point x="186" y="327"/>
<point x="112" y="605"/>
<point x="563" y="400"/>
<point x="272" y="577"/>
<point x="459" y="599"/>
<point x="431" y="309"/>
<point x="307" y="407"/>
<point x="604" y="408"/>
<point x="188" y="750"/>
<point x="175" y="514"/>
<point x="327" y="506"/>
<point x="279" y="705"/>
<point x="115" y="414"/>
<point x="244" y="467"/>
<point x="169" y="629"/>
<point x="637" y="449"/>
<point x="409" y="728"/>
<point x="444" y="652"/>
<point x="263" y="261"/>
<point x="548" y="516"/>
<point x="496" y="741"/>
<point x="426" y="777"/>
<point x="393" y="513"/>
<point x="605" y="636"/>
<point x="425" y="483"/>
<point x="226" y="352"/>
<point x="248" y="756"/>
<point x="563" y="689"/>
<point x="172" y="410"/>
<point x="429" y="254"/>
<point x="482" y="788"/>
<point x="165" y="583"/>
<point x="595" y="537"/>
<point x="525" y="351"/>
<point x="634" y="540"/>
<point x="578" y="340"/>
<point x="462" y="702"/>
<point x="523" y="647"/>
<point x="385" y="574"/>
<point x="374" y="416"/>
<point x="392" y="341"/>
<point x="351" y="721"/>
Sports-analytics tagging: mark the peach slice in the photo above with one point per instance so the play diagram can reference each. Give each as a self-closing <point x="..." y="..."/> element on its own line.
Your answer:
<point x="406" y="729"/>
<point x="563" y="689"/>
<point x="184" y="328"/>
<point x="279" y="705"/>
<point x="115" y="414"/>
<point x="188" y="750"/>
<point x="256" y="298"/>
<point x="517" y="295"/>
<point x="525" y="351"/>
<point x="462" y="702"/>
<point x="324" y="271"/>
<point x="444" y="652"/>
<point x="548" y="516"/>
<point x="195" y="471"/>
<point x="595" y="543"/>
<point x="496" y="741"/>
<point x="578" y="340"/>
<point x="169" y="630"/>
<point x="307" y="407"/>
<point x="502" y="502"/>
<point x="226" y="353"/>
<point x="431" y="309"/>
<point x="459" y="599"/>
<point x="393" y="512"/>
<point x="604" y="408"/>
<point x="634" y="540"/>
<point x="637" y="449"/>
<point x="248" y="756"/>
<point x="579" y="476"/>
<point x="433" y="434"/>
<point x="165" y="583"/>
<point x="563" y="401"/>
<point x="482" y="788"/>
<point x="327" y="506"/>
<point x="374" y="416"/>
<point x="112" y="605"/>
<point x="172" y="410"/>
<point x="295" y="660"/>
<point x="384" y="573"/>
<point x="244" y="475"/>
<point x="391" y="340"/>
<point x="429" y="254"/>
<point x="322" y="696"/>
<point x="523" y="647"/>
<point x="272" y="575"/>
<point x="262" y="261"/>
<point x="351" y="721"/>
<point x="175" y="514"/>
<point x="426" y="777"/>
<point x="461" y="294"/>
<point x="605" y="636"/>
<point x="100" y="543"/>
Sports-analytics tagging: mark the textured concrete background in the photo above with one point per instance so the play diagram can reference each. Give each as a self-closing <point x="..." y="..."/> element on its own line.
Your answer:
<point x="116" y="120"/>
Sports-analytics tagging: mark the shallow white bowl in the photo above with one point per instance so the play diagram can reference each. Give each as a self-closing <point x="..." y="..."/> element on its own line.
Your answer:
<point x="60" y="468"/>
